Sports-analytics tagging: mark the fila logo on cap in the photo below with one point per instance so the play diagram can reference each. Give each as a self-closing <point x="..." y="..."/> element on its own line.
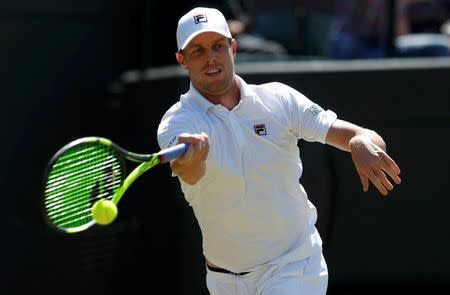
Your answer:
<point x="260" y="129"/>
<point x="200" y="18"/>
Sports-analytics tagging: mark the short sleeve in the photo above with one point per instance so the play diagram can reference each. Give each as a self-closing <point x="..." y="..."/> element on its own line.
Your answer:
<point x="173" y="123"/>
<point x="309" y="120"/>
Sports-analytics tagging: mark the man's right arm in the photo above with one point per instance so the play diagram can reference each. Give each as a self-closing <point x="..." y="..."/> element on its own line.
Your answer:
<point x="192" y="165"/>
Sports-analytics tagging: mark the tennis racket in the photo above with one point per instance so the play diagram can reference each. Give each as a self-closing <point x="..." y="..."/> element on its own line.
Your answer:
<point x="88" y="170"/>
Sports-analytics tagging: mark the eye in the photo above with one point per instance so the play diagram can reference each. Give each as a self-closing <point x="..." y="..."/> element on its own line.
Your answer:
<point x="219" y="46"/>
<point x="196" y="51"/>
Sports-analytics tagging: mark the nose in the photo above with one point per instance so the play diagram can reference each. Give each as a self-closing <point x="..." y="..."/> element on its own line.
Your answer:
<point x="211" y="55"/>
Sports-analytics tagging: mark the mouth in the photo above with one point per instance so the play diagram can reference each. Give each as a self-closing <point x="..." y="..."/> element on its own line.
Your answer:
<point x="213" y="72"/>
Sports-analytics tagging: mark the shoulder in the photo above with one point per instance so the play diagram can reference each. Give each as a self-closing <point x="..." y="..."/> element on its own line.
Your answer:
<point x="273" y="87"/>
<point x="277" y="88"/>
<point x="173" y="110"/>
<point x="278" y="91"/>
<point x="181" y="117"/>
<point x="182" y="108"/>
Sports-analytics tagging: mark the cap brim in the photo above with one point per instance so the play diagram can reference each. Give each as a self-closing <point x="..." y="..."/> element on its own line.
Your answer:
<point x="189" y="39"/>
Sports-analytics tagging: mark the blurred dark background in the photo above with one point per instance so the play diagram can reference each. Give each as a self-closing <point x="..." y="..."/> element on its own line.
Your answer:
<point x="105" y="67"/>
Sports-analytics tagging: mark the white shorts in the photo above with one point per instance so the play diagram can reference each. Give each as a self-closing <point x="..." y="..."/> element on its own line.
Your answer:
<point x="308" y="276"/>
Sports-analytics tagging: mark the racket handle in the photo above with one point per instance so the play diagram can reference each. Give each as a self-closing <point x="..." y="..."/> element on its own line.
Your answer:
<point x="173" y="152"/>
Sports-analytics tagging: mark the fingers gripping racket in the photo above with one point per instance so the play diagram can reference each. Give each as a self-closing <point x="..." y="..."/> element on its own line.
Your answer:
<point x="87" y="171"/>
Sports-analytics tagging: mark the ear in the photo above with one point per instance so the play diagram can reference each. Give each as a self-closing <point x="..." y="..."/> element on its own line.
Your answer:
<point x="181" y="60"/>
<point x="233" y="46"/>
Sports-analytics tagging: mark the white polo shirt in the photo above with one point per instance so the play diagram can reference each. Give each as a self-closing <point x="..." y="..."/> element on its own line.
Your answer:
<point x="250" y="206"/>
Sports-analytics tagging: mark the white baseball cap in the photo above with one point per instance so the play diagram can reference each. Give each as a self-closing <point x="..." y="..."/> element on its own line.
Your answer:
<point x="199" y="20"/>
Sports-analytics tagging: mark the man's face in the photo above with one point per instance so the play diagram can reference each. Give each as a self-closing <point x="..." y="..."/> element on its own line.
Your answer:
<point x="209" y="60"/>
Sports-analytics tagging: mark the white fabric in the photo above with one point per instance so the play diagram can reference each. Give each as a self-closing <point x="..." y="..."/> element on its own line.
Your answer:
<point x="199" y="20"/>
<point x="307" y="276"/>
<point x="250" y="206"/>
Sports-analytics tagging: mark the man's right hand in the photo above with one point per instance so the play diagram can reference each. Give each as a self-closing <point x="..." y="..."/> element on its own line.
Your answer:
<point x="192" y="165"/>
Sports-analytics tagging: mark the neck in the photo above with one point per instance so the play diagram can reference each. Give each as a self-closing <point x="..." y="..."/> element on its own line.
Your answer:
<point x="230" y="98"/>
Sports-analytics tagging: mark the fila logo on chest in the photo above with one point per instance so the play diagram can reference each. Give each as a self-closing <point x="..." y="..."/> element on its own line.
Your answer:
<point x="260" y="129"/>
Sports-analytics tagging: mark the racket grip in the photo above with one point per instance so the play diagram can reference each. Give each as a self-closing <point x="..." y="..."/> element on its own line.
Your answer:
<point x="173" y="152"/>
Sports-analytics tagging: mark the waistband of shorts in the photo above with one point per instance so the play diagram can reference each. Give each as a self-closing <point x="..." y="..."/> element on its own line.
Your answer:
<point x="222" y="270"/>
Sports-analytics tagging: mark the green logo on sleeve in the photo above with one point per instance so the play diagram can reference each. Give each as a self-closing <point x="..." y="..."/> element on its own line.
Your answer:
<point x="315" y="109"/>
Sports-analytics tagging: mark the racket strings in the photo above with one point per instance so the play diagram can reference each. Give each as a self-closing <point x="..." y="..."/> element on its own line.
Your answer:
<point x="69" y="167"/>
<point x="82" y="175"/>
<point x="70" y="180"/>
<point x="64" y="206"/>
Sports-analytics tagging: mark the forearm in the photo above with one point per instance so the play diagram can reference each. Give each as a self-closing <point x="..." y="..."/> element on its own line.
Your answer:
<point x="190" y="174"/>
<point x="343" y="134"/>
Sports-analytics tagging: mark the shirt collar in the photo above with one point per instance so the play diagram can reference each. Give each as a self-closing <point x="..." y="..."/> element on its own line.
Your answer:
<point x="246" y="93"/>
<point x="199" y="99"/>
<point x="246" y="90"/>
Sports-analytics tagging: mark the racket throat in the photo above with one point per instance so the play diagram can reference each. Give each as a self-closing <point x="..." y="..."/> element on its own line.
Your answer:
<point x="138" y="171"/>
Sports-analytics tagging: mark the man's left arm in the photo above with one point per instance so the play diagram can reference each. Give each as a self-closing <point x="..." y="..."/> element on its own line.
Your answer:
<point x="368" y="151"/>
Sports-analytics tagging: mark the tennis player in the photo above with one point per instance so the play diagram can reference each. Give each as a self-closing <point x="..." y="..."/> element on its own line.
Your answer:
<point x="241" y="172"/>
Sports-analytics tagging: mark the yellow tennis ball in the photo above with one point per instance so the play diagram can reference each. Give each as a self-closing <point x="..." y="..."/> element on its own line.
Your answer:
<point x="104" y="212"/>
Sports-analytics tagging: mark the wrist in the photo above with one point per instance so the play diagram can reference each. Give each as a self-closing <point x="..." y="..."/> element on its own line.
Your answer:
<point x="357" y="141"/>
